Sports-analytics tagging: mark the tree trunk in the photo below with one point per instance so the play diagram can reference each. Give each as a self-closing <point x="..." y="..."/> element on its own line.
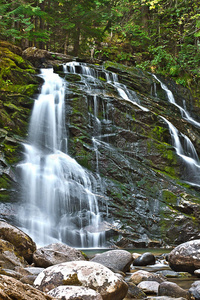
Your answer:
<point x="66" y="43"/>
<point x="77" y="41"/>
<point x="42" y="25"/>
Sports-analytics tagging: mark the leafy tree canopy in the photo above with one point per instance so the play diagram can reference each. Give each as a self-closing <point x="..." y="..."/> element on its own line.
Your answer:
<point x="158" y="35"/>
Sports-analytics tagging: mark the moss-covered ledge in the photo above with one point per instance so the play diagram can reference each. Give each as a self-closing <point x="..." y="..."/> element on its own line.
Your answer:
<point x="18" y="83"/>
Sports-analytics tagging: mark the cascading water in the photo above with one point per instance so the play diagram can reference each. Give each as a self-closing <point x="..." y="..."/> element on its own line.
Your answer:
<point x="187" y="152"/>
<point x="182" y="144"/>
<point x="59" y="195"/>
<point x="184" y="113"/>
<point x="60" y="198"/>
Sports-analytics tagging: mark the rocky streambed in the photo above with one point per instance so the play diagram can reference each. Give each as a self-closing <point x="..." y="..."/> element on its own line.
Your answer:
<point x="58" y="271"/>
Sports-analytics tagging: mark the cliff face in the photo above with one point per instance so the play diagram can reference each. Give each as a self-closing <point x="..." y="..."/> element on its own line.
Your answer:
<point x="142" y="173"/>
<point x="142" y="177"/>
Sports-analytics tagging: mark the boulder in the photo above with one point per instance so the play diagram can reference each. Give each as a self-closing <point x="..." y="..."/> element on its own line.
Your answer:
<point x="54" y="254"/>
<point x="141" y="275"/>
<point x="169" y="273"/>
<point x="194" y="290"/>
<point x="116" y="260"/>
<point x="197" y="272"/>
<point x="84" y="273"/>
<point x="135" y="255"/>
<point x="172" y="289"/>
<point x="149" y="287"/>
<point x="23" y="244"/>
<point x="145" y="259"/>
<point x="9" y="258"/>
<point x="135" y="292"/>
<point x="68" y="292"/>
<point x="11" y="288"/>
<point x="37" y="56"/>
<point x="185" y="257"/>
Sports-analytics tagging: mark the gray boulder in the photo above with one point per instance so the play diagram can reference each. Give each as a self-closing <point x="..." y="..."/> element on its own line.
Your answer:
<point x="116" y="260"/>
<point x="149" y="287"/>
<point x="185" y="257"/>
<point x="194" y="291"/>
<point x="172" y="289"/>
<point x="85" y="273"/>
<point x="55" y="254"/>
<point x="141" y="275"/>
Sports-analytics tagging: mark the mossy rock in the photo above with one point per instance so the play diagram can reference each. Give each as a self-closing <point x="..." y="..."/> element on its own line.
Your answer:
<point x="169" y="197"/>
<point x="9" y="257"/>
<point x="23" y="244"/>
<point x="13" y="48"/>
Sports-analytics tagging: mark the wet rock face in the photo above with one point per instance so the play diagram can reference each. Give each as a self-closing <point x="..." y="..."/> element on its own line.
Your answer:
<point x="185" y="257"/>
<point x="139" y="167"/>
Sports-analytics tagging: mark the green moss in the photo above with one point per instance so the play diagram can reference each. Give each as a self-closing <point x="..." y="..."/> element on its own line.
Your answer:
<point x="11" y="151"/>
<point x="101" y="78"/>
<point x="5" y="186"/>
<point x="12" y="107"/>
<point x="73" y="77"/>
<point x="86" y="257"/>
<point x="158" y="132"/>
<point x="72" y="280"/>
<point x="5" y="181"/>
<point x="169" y="197"/>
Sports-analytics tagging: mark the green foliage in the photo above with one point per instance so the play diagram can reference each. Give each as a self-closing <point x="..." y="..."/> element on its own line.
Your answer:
<point x="155" y="35"/>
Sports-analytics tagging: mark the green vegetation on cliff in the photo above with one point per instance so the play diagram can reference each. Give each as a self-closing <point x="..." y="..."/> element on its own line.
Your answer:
<point x="18" y="83"/>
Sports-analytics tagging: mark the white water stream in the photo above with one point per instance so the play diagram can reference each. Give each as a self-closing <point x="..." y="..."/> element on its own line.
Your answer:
<point x="184" y="113"/>
<point x="59" y="195"/>
<point x="182" y="144"/>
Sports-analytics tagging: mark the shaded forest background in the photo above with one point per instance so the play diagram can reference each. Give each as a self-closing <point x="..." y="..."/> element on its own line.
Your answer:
<point x="156" y="35"/>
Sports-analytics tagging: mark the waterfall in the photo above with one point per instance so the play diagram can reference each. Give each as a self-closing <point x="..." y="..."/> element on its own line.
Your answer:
<point x="187" y="152"/>
<point x="184" y="113"/>
<point x="59" y="200"/>
<point x="182" y="144"/>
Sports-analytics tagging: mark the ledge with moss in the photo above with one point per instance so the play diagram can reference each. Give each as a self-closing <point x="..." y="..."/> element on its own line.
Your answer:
<point x="18" y="83"/>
